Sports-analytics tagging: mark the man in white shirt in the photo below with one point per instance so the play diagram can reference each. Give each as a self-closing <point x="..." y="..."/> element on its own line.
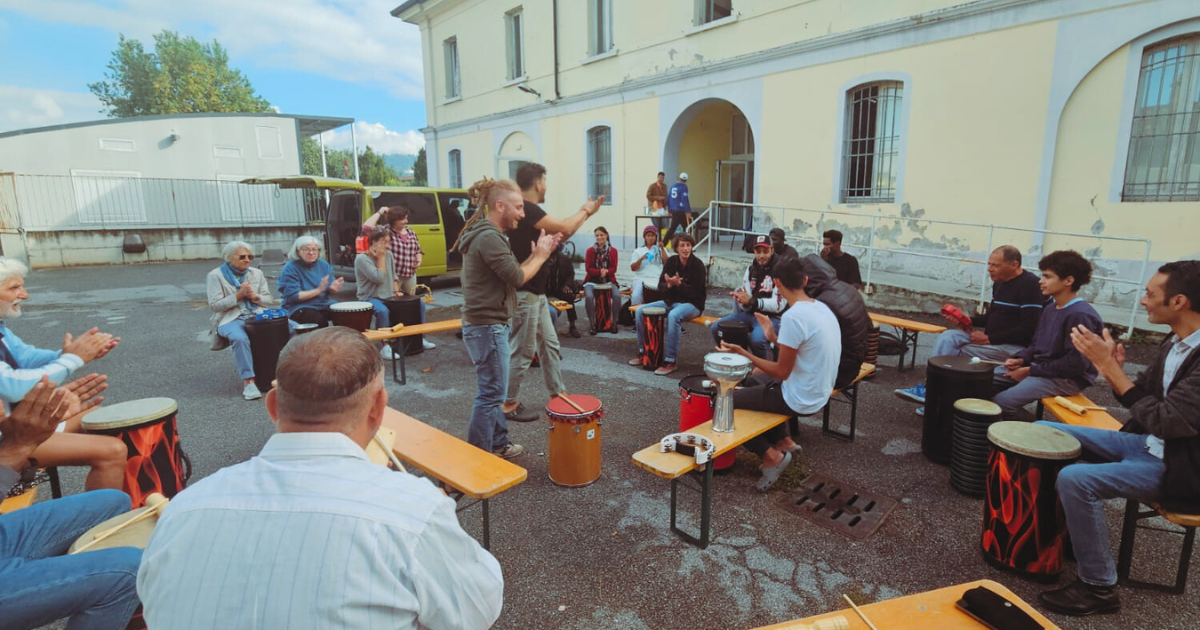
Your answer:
<point x="311" y="534"/>
<point x="801" y="381"/>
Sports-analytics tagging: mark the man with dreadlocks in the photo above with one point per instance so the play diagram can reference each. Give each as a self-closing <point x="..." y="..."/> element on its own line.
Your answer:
<point x="490" y="277"/>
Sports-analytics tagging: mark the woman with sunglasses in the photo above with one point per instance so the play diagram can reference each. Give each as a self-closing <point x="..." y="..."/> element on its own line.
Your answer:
<point x="236" y="291"/>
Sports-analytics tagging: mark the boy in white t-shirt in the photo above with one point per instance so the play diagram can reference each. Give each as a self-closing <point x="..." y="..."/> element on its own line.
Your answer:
<point x="647" y="265"/>
<point x="801" y="381"/>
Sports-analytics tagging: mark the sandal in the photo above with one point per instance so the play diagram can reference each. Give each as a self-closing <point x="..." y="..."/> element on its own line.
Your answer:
<point x="771" y="475"/>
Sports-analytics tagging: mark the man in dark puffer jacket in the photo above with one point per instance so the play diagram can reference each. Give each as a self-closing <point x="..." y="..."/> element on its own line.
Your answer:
<point x="847" y="305"/>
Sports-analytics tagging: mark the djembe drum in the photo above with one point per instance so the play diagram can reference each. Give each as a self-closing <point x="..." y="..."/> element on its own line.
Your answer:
<point x="156" y="461"/>
<point x="131" y="529"/>
<point x="654" y="336"/>
<point x="1024" y="528"/>
<point x="356" y="315"/>
<point x="574" y="442"/>
<point x="948" y="379"/>
<point x="603" y="298"/>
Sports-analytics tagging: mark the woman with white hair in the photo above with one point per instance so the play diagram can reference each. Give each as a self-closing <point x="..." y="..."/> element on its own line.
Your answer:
<point x="306" y="283"/>
<point x="236" y="291"/>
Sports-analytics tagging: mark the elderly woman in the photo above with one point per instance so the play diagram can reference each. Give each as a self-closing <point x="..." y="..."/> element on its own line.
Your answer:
<point x="236" y="291"/>
<point x="306" y="282"/>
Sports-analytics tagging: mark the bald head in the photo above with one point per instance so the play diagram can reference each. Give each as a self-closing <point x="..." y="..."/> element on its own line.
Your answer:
<point x="327" y="381"/>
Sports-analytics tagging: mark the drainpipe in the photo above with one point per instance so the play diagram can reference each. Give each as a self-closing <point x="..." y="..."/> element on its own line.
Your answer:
<point x="557" y="96"/>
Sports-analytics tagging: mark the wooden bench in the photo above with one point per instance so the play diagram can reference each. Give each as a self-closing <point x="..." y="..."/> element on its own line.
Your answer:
<point x="469" y="471"/>
<point x="909" y="330"/>
<point x="921" y="611"/>
<point x="1095" y="418"/>
<point x="394" y="334"/>
<point x="747" y="424"/>
<point x="851" y="392"/>
<point x="23" y="500"/>
<point x="702" y="319"/>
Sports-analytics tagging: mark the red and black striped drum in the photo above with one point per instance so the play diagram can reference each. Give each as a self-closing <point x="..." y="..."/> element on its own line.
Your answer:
<point x="603" y="294"/>
<point x="654" y="336"/>
<point x="156" y="461"/>
<point x="1024" y="528"/>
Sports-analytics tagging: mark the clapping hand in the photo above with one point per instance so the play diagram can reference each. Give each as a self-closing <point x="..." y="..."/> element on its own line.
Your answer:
<point x="36" y="418"/>
<point x="1098" y="349"/>
<point x="337" y="284"/>
<point x="741" y="296"/>
<point x="89" y="346"/>
<point x="768" y="327"/>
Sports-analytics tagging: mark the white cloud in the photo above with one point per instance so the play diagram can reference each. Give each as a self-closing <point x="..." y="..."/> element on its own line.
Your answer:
<point x="22" y="108"/>
<point x="379" y="138"/>
<point x="352" y="40"/>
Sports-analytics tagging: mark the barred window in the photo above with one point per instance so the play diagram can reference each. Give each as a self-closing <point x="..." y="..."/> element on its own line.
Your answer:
<point x="453" y="86"/>
<point x="870" y="156"/>
<point x="455" y="164"/>
<point x="599" y="163"/>
<point x="1164" y="156"/>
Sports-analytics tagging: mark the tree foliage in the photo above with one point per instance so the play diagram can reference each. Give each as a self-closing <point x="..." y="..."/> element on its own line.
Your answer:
<point x="372" y="169"/>
<point x="420" y="170"/>
<point x="181" y="76"/>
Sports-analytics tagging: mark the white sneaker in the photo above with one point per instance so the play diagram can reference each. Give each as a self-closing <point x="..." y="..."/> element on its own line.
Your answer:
<point x="427" y="344"/>
<point x="386" y="353"/>
<point x="250" y="392"/>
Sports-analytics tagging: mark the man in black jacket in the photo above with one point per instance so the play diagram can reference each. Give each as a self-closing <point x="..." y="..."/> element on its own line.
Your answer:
<point x="848" y="307"/>
<point x="684" y="280"/>
<point x="1154" y="457"/>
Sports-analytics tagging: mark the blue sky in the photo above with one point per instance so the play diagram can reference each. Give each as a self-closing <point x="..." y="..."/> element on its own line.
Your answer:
<point x="346" y="58"/>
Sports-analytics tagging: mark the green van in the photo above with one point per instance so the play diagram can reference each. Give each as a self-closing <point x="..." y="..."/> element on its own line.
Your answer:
<point x="437" y="215"/>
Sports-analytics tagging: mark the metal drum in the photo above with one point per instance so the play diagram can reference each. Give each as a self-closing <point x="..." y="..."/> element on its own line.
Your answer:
<point x="697" y="404"/>
<point x="574" y="441"/>
<point x="948" y="379"/>
<point x="734" y="333"/>
<point x="406" y="310"/>
<point x="1024" y="528"/>
<point x="603" y="298"/>
<point x="356" y="315"/>
<point x="267" y="339"/>
<point x="726" y="370"/>
<point x="969" y="448"/>
<point x="156" y="461"/>
<point x="654" y="332"/>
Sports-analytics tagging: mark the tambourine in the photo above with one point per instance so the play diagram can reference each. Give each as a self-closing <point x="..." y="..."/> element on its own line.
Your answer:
<point x="955" y="313"/>
<point x="699" y="446"/>
<point x="427" y="297"/>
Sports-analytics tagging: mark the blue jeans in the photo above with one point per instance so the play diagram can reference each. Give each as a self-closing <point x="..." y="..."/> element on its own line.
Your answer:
<point x="955" y="342"/>
<point x="488" y="347"/>
<point x="96" y="589"/>
<point x="758" y="339"/>
<point x="676" y="315"/>
<point x="382" y="316"/>
<point x="1128" y="471"/>
<point x="1031" y="389"/>
<point x="235" y="332"/>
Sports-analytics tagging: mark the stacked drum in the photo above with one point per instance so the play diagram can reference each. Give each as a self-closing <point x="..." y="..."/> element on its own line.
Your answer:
<point x="970" y="446"/>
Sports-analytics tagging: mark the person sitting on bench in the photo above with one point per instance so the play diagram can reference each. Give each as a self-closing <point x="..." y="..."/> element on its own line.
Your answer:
<point x="1004" y="329"/>
<point x="801" y="381"/>
<point x="758" y="294"/>
<point x="1154" y="457"/>
<point x="683" y="281"/>
<point x="850" y="310"/>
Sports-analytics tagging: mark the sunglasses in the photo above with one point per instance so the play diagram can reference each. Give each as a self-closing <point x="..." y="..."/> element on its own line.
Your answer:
<point x="245" y="256"/>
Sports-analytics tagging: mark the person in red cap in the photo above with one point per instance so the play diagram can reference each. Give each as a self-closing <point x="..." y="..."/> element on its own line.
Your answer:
<point x="646" y="263"/>
<point x="758" y="294"/>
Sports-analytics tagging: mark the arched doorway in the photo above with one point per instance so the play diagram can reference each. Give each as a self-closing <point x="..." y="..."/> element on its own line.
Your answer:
<point x="516" y="150"/>
<point x="712" y="141"/>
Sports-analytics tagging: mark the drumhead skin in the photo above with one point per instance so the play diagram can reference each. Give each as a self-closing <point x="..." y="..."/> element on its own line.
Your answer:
<point x="654" y="310"/>
<point x="558" y="408"/>
<point x="602" y="287"/>
<point x="136" y="535"/>
<point x="695" y="385"/>
<point x="128" y="414"/>
<point x="726" y="360"/>
<point x="959" y="364"/>
<point x="1034" y="440"/>
<point x="977" y="406"/>
<point x="351" y="306"/>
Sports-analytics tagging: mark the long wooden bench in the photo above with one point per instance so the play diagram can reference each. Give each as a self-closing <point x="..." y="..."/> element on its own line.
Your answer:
<point x="469" y="471"/>
<point x="1096" y="418"/>
<point x="23" y="500"/>
<point x="909" y="330"/>
<point x="702" y="319"/>
<point x="747" y="424"/>
<point x="394" y="334"/>
<point x="851" y="394"/>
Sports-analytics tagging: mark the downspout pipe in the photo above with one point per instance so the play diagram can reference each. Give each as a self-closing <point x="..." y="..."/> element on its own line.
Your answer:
<point x="557" y="95"/>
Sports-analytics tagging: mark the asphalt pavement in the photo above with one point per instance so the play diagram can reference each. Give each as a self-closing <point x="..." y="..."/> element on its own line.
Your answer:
<point x="602" y="557"/>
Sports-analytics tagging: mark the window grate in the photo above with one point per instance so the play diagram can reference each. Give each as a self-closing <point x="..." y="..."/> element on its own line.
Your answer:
<point x="600" y="163"/>
<point x="455" y="164"/>
<point x="1164" y="159"/>
<point x="872" y="145"/>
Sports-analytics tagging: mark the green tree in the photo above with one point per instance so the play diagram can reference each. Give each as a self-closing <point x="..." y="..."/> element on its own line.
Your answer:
<point x="310" y="157"/>
<point x="373" y="171"/>
<point x="181" y="76"/>
<point x="420" y="172"/>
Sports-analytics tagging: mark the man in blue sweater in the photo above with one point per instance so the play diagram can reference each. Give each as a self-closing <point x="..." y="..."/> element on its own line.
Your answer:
<point x="1050" y="365"/>
<point x="678" y="206"/>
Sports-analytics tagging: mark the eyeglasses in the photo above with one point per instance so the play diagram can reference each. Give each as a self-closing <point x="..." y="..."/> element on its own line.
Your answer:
<point x="310" y="250"/>
<point x="245" y="256"/>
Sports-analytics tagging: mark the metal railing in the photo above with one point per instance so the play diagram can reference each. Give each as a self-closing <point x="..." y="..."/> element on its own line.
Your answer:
<point x="961" y="243"/>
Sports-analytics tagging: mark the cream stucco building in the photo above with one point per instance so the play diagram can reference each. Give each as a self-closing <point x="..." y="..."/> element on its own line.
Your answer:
<point x="1078" y="116"/>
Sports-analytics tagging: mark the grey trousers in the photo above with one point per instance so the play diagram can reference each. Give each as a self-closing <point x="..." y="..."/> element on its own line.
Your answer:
<point x="533" y="332"/>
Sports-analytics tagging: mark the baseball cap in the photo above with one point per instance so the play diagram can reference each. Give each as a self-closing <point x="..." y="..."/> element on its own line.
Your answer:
<point x="762" y="241"/>
<point x="683" y="176"/>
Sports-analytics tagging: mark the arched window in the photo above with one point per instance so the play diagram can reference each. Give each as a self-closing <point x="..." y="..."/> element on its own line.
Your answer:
<point x="871" y="151"/>
<point x="454" y="161"/>
<point x="1164" y="141"/>
<point x="599" y="163"/>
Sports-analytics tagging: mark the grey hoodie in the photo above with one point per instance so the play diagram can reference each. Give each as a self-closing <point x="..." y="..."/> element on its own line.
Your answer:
<point x="490" y="275"/>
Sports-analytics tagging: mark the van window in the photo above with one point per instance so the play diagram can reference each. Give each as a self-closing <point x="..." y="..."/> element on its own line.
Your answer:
<point x="422" y="207"/>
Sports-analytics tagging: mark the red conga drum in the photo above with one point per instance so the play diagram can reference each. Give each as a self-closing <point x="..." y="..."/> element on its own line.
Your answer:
<point x="156" y="461"/>
<point x="602" y="295"/>
<point x="697" y="400"/>
<point x="1024" y="528"/>
<point x="574" y="441"/>
<point x="654" y="346"/>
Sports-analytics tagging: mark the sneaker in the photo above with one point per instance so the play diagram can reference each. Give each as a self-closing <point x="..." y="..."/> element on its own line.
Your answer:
<point x="522" y="414"/>
<point x="250" y="392"/>
<point x="916" y="393"/>
<point x="386" y="353"/>
<point x="427" y="344"/>
<point x="920" y="411"/>
<point x="510" y="451"/>
<point x="636" y="360"/>
<point x="666" y="369"/>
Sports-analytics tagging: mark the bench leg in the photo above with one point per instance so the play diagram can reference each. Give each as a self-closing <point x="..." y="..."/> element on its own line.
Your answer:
<point x="1125" y="553"/>
<point x="705" y="509"/>
<point x="851" y="394"/>
<point x="907" y="337"/>
<point x="1040" y="410"/>
<point x="398" y="357"/>
<point x="487" y="526"/>
<point x="55" y="483"/>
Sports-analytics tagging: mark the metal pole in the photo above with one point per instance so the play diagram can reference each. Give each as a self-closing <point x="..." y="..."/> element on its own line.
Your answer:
<point x="708" y="239"/>
<point x="983" y="282"/>
<point x="354" y="143"/>
<point x="1133" y="310"/>
<point x="871" y="255"/>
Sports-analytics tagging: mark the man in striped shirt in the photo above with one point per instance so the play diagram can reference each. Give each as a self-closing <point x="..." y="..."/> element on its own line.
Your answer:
<point x="310" y="533"/>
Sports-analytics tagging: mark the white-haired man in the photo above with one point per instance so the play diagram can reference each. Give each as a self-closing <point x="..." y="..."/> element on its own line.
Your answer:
<point x="323" y="538"/>
<point x="22" y="366"/>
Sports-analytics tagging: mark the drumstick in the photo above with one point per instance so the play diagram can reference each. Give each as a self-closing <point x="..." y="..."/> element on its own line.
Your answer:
<point x="390" y="454"/>
<point x="571" y="402"/>
<point x="1077" y="408"/>
<point x="155" y="503"/>
<point x="833" y="623"/>
<point x="978" y="360"/>
<point x="860" y="613"/>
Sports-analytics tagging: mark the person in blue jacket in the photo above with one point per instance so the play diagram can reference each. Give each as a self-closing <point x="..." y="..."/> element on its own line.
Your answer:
<point x="678" y="206"/>
<point x="306" y="283"/>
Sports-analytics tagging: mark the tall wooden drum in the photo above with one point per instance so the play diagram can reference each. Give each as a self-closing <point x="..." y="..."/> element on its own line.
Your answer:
<point x="574" y="441"/>
<point x="1024" y="528"/>
<point x="267" y="339"/>
<point x="156" y="461"/>
<point x="603" y="297"/>
<point x="654" y="331"/>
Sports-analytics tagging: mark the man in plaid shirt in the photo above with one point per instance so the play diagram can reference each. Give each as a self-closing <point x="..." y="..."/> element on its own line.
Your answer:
<point x="405" y="249"/>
